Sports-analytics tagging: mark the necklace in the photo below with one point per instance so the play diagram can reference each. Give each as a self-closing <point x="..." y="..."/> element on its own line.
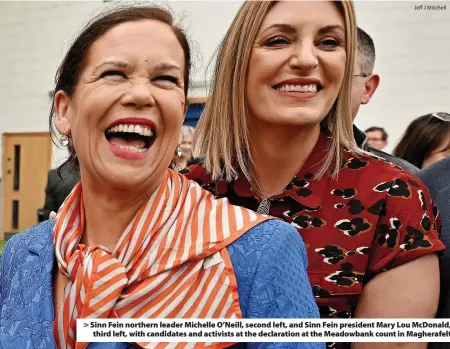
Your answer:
<point x="264" y="206"/>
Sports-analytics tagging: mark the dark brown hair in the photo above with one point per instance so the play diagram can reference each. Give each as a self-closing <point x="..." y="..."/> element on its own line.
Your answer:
<point x="423" y="136"/>
<point x="69" y="71"/>
<point x="384" y="135"/>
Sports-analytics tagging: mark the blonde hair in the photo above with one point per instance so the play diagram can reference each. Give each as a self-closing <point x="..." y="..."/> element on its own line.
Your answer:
<point x="222" y="135"/>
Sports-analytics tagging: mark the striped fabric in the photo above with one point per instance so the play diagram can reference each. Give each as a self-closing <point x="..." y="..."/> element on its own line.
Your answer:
<point x="161" y="266"/>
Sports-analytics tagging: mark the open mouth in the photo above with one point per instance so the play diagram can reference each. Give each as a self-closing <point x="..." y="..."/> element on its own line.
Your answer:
<point x="130" y="137"/>
<point x="310" y="88"/>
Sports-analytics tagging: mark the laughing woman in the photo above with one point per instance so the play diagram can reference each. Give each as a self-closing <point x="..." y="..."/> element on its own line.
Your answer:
<point x="283" y="145"/>
<point x="133" y="239"/>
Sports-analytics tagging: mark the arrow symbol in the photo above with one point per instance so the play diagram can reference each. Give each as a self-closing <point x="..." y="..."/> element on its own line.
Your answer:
<point x="86" y="325"/>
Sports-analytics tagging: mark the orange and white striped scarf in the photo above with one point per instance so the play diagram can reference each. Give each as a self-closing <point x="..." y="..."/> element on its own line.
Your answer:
<point x="158" y="268"/>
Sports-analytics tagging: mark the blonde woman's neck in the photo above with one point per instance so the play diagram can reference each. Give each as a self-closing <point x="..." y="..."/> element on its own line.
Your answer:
<point x="279" y="153"/>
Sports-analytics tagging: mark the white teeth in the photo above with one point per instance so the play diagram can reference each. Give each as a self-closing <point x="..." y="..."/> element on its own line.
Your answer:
<point x="139" y="129"/>
<point x="298" y="88"/>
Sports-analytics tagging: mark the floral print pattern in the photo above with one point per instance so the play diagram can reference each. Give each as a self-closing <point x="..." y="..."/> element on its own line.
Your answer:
<point x="371" y="218"/>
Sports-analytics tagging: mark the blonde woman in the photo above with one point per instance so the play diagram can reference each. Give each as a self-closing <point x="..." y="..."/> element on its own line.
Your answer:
<point x="283" y="145"/>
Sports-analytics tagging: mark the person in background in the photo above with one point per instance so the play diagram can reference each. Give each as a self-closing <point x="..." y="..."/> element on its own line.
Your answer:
<point x="135" y="239"/>
<point x="59" y="186"/>
<point x="426" y="140"/>
<point x="437" y="179"/>
<point x="364" y="84"/>
<point x="283" y="145"/>
<point x="377" y="137"/>
<point x="183" y="156"/>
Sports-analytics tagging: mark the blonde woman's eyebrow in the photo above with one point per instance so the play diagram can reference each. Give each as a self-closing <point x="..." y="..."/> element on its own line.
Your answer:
<point x="330" y="28"/>
<point x="287" y="28"/>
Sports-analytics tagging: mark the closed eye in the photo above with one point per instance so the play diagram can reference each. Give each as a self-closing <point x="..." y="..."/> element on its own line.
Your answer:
<point x="166" y="81"/>
<point x="172" y="79"/>
<point x="113" y="73"/>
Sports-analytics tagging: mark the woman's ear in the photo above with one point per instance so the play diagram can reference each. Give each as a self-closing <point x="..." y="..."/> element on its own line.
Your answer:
<point x="61" y="104"/>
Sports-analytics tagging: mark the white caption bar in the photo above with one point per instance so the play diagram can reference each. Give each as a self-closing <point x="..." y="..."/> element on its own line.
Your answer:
<point x="267" y="330"/>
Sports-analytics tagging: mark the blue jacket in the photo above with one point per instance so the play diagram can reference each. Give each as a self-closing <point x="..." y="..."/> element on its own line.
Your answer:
<point x="269" y="263"/>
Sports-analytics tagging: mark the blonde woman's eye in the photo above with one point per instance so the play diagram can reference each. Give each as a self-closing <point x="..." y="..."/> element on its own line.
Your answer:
<point x="276" y="40"/>
<point x="330" y="42"/>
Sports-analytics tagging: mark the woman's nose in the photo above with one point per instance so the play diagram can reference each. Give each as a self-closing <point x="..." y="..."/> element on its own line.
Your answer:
<point x="139" y="95"/>
<point x="304" y="57"/>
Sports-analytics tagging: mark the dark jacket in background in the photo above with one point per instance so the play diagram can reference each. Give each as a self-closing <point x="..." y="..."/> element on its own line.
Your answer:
<point x="57" y="190"/>
<point x="361" y="141"/>
<point x="437" y="178"/>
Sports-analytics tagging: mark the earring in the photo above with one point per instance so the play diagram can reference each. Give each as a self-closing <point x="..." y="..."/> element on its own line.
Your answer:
<point x="64" y="141"/>
<point x="179" y="151"/>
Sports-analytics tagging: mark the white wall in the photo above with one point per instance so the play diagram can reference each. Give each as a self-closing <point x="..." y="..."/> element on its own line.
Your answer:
<point x="413" y="60"/>
<point x="34" y="36"/>
<point x="413" y="50"/>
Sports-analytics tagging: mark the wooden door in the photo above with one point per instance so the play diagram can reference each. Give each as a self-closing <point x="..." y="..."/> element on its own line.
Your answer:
<point x="26" y="162"/>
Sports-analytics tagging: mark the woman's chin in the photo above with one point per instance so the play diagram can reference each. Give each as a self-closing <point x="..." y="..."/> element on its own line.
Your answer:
<point x="124" y="171"/>
<point x="129" y="176"/>
<point x="129" y="182"/>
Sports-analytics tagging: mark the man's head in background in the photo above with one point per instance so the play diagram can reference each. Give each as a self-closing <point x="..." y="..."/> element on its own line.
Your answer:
<point x="377" y="137"/>
<point x="365" y="82"/>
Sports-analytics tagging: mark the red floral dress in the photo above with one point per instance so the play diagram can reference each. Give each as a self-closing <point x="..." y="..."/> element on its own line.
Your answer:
<point x="373" y="218"/>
